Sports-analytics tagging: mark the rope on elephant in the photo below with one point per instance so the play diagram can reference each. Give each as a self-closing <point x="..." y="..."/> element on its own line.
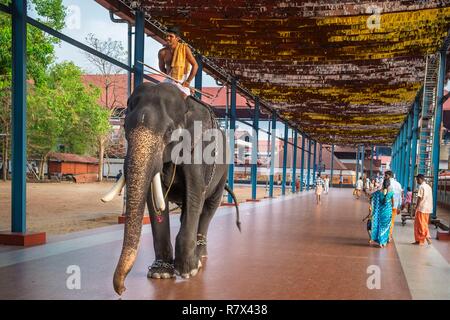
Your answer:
<point x="157" y="211"/>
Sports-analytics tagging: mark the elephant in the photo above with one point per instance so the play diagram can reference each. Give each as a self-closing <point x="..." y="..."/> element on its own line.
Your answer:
<point x="154" y="113"/>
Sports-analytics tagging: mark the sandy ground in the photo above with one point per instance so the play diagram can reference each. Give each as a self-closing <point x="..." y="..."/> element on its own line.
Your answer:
<point x="60" y="208"/>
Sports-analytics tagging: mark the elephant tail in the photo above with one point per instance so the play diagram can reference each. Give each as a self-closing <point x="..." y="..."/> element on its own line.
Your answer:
<point x="238" y="222"/>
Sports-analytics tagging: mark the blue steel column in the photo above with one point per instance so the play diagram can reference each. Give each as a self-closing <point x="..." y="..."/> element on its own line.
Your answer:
<point x="332" y="165"/>
<point x="139" y="49"/>
<point x="404" y="153"/>
<point x="283" y="182"/>
<point x="437" y="128"/>
<point x="19" y="113"/>
<point x="272" y="153"/>
<point x="414" y="144"/>
<point x="394" y="168"/>
<point x="408" y="153"/>
<point x="394" y="148"/>
<point x="401" y="156"/>
<point x="357" y="164"/>
<point x="314" y="162"/>
<point x="294" y="163"/>
<point x="362" y="161"/>
<point x="232" y="142"/>
<point x="309" y="164"/>
<point x="255" y="149"/>
<point x="199" y="77"/>
<point x="392" y="156"/>
<point x="302" y="165"/>
<point x="320" y="163"/>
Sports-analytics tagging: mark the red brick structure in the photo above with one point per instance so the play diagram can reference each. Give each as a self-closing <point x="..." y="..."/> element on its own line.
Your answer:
<point x="61" y="164"/>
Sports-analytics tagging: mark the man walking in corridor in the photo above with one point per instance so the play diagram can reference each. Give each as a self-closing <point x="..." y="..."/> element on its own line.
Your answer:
<point x="424" y="208"/>
<point x="396" y="187"/>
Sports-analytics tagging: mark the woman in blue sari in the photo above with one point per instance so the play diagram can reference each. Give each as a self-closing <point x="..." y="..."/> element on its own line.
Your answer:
<point x="381" y="207"/>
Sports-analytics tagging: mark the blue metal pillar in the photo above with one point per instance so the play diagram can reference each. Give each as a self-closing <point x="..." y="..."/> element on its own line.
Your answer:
<point x="272" y="153"/>
<point x="394" y="168"/>
<point x="362" y="161"/>
<point x="309" y="164"/>
<point x="302" y="164"/>
<point x="399" y="175"/>
<point x="320" y="163"/>
<point x="414" y="144"/>
<point x="437" y="128"/>
<point x="395" y="155"/>
<point x="254" y="172"/>
<point x="408" y="153"/>
<point x="232" y="138"/>
<point x="294" y="163"/>
<point x="19" y="114"/>
<point x="357" y="163"/>
<point x="283" y="182"/>
<point x="314" y="163"/>
<point x="139" y="48"/>
<point x="332" y="165"/>
<point x="392" y="157"/>
<point x="199" y="77"/>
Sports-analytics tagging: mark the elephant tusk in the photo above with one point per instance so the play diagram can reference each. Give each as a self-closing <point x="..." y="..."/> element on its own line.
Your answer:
<point x="115" y="190"/>
<point x="158" y="193"/>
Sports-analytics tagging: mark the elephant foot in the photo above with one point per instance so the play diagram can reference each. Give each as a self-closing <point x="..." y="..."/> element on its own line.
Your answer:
<point x="161" y="270"/>
<point x="188" y="272"/>
<point x="202" y="252"/>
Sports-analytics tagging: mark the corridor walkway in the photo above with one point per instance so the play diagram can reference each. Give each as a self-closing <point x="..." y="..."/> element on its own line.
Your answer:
<point x="289" y="248"/>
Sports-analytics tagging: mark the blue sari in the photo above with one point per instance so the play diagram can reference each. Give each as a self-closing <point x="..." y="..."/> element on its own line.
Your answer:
<point x="381" y="216"/>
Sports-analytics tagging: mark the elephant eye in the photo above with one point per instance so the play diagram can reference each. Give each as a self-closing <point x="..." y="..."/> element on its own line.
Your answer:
<point x="169" y="132"/>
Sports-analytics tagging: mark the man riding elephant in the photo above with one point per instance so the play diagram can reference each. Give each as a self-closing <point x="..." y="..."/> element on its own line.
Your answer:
<point x="154" y="175"/>
<point x="174" y="60"/>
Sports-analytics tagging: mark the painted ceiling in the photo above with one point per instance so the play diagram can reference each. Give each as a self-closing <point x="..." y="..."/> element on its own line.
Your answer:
<point x="345" y="72"/>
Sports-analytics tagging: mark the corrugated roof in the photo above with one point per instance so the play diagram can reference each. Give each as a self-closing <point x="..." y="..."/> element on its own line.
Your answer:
<point x="69" y="157"/>
<point x="345" y="72"/>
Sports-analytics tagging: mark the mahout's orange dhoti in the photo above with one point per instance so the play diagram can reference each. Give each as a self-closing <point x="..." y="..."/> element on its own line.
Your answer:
<point x="421" y="231"/>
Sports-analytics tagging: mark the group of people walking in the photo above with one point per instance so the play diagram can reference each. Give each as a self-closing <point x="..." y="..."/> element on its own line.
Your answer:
<point x="386" y="201"/>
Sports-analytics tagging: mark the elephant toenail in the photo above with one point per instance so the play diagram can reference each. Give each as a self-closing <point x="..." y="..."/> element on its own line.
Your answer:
<point x="194" y="272"/>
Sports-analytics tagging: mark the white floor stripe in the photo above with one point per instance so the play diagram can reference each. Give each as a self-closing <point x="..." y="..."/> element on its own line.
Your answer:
<point x="426" y="270"/>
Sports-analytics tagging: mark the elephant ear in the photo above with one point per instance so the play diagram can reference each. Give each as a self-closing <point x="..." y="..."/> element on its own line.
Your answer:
<point x="189" y="112"/>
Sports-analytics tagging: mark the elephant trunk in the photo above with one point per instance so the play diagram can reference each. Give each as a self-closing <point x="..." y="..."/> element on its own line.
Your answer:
<point x="144" y="154"/>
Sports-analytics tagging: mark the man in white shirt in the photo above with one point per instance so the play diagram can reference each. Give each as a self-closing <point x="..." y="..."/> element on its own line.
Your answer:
<point x="359" y="186"/>
<point x="424" y="208"/>
<point x="327" y="184"/>
<point x="395" y="187"/>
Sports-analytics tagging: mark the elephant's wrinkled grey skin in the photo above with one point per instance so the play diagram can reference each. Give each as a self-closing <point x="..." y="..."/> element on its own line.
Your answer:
<point x="154" y="112"/>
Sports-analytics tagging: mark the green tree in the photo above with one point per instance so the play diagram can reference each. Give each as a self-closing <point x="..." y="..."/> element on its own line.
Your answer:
<point x="40" y="55"/>
<point x="65" y="111"/>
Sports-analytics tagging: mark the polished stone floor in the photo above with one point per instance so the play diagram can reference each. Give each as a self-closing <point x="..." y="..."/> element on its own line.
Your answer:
<point x="289" y="248"/>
